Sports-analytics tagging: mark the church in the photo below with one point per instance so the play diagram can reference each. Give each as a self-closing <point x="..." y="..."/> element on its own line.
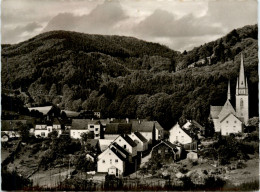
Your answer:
<point x="226" y="119"/>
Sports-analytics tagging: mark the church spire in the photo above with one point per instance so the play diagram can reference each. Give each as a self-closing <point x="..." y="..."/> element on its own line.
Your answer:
<point x="242" y="83"/>
<point x="229" y="94"/>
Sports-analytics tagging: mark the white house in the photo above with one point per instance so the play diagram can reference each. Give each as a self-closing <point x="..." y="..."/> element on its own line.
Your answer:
<point x="151" y="130"/>
<point x="231" y="124"/>
<point x="178" y="135"/>
<point x="140" y="140"/>
<point x="111" y="161"/>
<point x="127" y="143"/>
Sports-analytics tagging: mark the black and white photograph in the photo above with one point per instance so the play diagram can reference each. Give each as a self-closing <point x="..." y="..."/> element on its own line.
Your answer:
<point x="129" y="95"/>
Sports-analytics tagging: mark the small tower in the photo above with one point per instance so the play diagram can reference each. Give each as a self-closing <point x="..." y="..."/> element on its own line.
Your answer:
<point x="242" y="106"/>
<point x="229" y="94"/>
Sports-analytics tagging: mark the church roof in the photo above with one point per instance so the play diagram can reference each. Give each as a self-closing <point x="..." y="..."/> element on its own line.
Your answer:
<point x="228" y="116"/>
<point x="226" y="109"/>
<point x="214" y="111"/>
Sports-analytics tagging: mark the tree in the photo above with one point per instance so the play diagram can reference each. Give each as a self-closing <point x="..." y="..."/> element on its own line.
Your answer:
<point x="24" y="131"/>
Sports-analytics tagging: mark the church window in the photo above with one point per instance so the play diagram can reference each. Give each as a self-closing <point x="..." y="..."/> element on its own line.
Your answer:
<point x="241" y="103"/>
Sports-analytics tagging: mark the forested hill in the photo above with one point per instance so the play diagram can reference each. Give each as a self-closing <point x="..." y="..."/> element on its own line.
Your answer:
<point x="126" y="77"/>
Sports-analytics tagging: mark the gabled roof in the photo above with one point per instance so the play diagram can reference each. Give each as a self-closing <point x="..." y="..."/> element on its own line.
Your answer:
<point x="228" y="116"/>
<point x="129" y="140"/>
<point x="11" y="125"/>
<point x="214" y="111"/>
<point x="196" y="124"/>
<point x="122" y="150"/>
<point x="226" y="109"/>
<point x="141" y="137"/>
<point x="117" y="153"/>
<point x="92" y="142"/>
<point x="143" y="126"/>
<point x="81" y="123"/>
<point x="157" y="126"/>
<point x="169" y="144"/>
<point x="118" y="128"/>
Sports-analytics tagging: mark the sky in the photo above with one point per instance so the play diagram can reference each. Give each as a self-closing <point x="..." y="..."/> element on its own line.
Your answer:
<point x="178" y="24"/>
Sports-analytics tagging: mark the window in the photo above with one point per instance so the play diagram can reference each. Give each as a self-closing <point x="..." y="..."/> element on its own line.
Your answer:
<point x="91" y="126"/>
<point x="124" y="146"/>
<point x="116" y="160"/>
<point x="235" y="121"/>
<point x="241" y="103"/>
<point x="159" y="151"/>
<point x="119" y="140"/>
<point x="96" y="129"/>
<point x="74" y="133"/>
<point x="177" y="138"/>
<point x="43" y="134"/>
<point x="227" y="121"/>
<point x="97" y="135"/>
<point x="166" y="150"/>
<point x="103" y="161"/>
<point x="49" y="129"/>
<point x="110" y="161"/>
<point x="109" y="153"/>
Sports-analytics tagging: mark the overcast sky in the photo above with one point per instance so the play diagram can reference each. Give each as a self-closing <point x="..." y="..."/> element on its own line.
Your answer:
<point x="180" y="25"/>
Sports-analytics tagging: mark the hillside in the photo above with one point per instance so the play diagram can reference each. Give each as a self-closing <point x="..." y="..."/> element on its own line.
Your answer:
<point x="127" y="77"/>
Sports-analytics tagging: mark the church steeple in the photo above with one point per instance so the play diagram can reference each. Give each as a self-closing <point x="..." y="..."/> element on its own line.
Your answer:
<point x="242" y="88"/>
<point x="229" y="94"/>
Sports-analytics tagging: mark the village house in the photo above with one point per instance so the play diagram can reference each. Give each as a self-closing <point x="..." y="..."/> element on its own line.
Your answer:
<point x="140" y="140"/>
<point x="228" y="119"/>
<point x="89" y="126"/>
<point x="195" y="125"/>
<point x="151" y="130"/>
<point x="113" y="130"/>
<point x="165" y="151"/>
<point x="178" y="135"/>
<point x="112" y="161"/>
<point x="42" y="130"/>
<point x="12" y="127"/>
<point x="127" y="143"/>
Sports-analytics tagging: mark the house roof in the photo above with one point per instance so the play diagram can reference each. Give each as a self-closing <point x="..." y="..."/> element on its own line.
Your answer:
<point x="71" y="113"/>
<point x="92" y="142"/>
<point x="104" y="143"/>
<point x="141" y="137"/>
<point x="43" y="110"/>
<point x="126" y="153"/>
<point x="114" y="149"/>
<point x="129" y="140"/>
<point x="167" y="143"/>
<point x="11" y="125"/>
<point x="143" y="126"/>
<point x="197" y="125"/>
<point x="228" y="116"/>
<point x="82" y="123"/>
<point x="118" y="128"/>
<point x="157" y="126"/>
<point x="214" y="111"/>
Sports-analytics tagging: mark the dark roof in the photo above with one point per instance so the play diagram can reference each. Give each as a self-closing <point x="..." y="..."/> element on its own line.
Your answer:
<point x="81" y="123"/>
<point x="167" y="143"/>
<point x="141" y="137"/>
<point x="143" y="126"/>
<point x="92" y="142"/>
<point x="118" y="128"/>
<point x="228" y="115"/>
<point x="157" y="126"/>
<point x="197" y="125"/>
<point x="129" y="140"/>
<point x="118" y="153"/>
<point x="11" y="125"/>
<point x="214" y="111"/>
<point x="121" y="149"/>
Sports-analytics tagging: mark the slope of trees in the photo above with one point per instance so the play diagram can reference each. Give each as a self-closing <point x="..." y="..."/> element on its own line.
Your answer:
<point x="126" y="77"/>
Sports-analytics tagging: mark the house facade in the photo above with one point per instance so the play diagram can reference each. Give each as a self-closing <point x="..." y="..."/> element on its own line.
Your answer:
<point x="140" y="140"/>
<point x="165" y="151"/>
<point x="178" y="135"/>
<point x="111" y="161"/>
<point x="127" y="143"/>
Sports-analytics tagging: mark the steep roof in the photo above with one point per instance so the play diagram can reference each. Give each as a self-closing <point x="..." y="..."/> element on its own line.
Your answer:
<point x="118" y="128"/>
<point x="141" y="137"/>
<point x="197" y="125"/>
<point x="228" y="116"/>
<point x="143" y="126"/>
<point x="92" y="142"/>
<point x="125" y="152"/>
<point x="226" y="109"/>
<point x="214" y="111"/>
<point x="115" y="150"/>
<point x="129" y="140"/>
<point x="157" y="126"/>
<point x="167" y="143"/>
<point x="11" y="125"/>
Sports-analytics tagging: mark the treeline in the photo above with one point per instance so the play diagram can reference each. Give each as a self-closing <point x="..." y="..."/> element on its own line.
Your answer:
<point x="126" y="77"/>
